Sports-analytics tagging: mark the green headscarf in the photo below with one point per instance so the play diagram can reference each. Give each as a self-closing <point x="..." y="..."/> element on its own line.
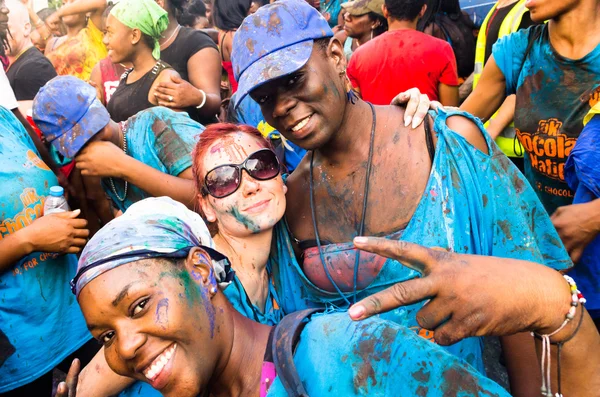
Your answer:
<point x="145" y="15"/>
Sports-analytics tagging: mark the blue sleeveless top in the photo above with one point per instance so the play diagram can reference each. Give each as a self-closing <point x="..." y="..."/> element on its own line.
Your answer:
<point x="473" y="203"/>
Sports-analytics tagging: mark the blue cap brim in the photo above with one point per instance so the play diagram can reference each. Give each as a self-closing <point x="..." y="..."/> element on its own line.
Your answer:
<point x="272" y="66"/>
<point x="71" y="142"/>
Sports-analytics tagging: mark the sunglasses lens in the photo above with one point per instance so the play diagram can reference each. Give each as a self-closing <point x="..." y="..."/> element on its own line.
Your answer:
<point x="222" y="181"/>
<point x="263" y="165"/>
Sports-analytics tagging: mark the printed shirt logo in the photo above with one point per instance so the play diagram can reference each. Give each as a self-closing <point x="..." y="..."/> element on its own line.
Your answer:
<point x="548" y="148"/>
<point x="34" y="160"/>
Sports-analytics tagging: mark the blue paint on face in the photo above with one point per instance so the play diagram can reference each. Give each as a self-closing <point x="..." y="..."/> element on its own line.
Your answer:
<point x="244" y="220"/>
<point x="162" y="313"/>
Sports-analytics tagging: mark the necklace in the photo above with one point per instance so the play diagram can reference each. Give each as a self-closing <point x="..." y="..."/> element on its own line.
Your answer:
<point x="361" y="227"/>
<point x="171" y="36"/>
<point x="112" y="183"/>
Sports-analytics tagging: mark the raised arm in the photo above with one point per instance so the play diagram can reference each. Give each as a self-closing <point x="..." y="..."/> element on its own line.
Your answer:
<point x="489" y="94"/>
<point x="104" y="159"/>
<point x="94" y="7"/>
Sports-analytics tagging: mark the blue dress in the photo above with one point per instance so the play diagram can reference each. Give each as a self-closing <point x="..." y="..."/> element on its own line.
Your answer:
<point x="474" y="203"/>
<point x="339" y="357"/>
<point x="40" y="320"/>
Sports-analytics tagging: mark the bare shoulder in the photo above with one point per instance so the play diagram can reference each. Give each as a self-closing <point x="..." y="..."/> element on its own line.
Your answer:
<point x="167" y="75"/>
<point x="468" y="130"/>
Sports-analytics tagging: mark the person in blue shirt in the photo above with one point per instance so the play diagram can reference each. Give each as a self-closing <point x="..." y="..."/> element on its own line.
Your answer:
<point x="148" y="285"/>
<point x="147" y="155"/>
<point x="582" y="173"/>
<point x="40" y="323"/>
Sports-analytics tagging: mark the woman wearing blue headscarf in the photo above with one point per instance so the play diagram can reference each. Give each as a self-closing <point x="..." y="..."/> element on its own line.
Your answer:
<point x="148" y="284"/>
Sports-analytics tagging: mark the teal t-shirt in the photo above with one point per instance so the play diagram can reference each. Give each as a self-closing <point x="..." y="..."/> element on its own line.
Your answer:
<point x="40" y="320"/>
<point x="160" y="138"/>
<point x="336" y="356"/>
<point x="553" y="96"/>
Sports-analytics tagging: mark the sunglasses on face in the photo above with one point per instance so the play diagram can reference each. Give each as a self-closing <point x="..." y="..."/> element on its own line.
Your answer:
<point x="226" y="179"/>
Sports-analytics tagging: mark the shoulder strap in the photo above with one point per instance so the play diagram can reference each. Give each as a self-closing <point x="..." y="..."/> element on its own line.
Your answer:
<point x="286" y="336"/>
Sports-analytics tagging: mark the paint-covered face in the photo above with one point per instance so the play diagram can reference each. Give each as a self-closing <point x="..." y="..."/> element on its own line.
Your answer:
<point x="156" y="322"/>
<point x="543" y="10"/>
<point x="256" y="206"/>
<point x="307" y="106"/>
<point x="357" y="25"/>
<point x="117" y="39"/>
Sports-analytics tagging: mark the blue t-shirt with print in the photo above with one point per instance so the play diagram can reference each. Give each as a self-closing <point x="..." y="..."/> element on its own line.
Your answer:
<point x="40" y="320"/>
<point x="160" y="138"/>
<point x="553" y="96"/>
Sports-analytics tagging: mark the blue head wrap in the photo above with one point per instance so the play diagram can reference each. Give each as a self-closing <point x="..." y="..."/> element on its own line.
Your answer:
<point x="150" y="228"/>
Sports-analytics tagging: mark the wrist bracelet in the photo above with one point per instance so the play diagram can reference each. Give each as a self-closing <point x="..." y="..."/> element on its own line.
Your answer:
<point x="576" y="299"/>
<point x="203" y="99"/>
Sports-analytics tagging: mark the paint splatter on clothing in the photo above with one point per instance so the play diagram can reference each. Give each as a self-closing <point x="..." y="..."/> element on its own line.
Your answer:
<point x="160" y="138"/>
<point x="237" y="296"/>
<point x="583" y="176"/>
<point x="39" y="317"/>
<point x="338" y="357"/>
<point x="553" y="96"/>
<point x="78" y="55"/>
<point x="460" y="210"/>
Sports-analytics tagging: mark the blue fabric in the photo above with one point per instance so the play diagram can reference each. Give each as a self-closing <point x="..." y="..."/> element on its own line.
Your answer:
<point x="333" y="8"/>
<point x="473" y="203"/>
<point x="338" y="357"/>
<point x="39" y="316"/>
<point x="160" y="138"/>
<point x="68" y="113"/>
<point x="553" y="95"/>
<point x="236" y="294"/>
<point x="275" y="41"/>
<point x="582" y="172"/>
<point x="248" y="112"/>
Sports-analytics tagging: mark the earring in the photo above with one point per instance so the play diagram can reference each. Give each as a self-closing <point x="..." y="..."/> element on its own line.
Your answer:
<point x="213" y="290"/>
<point x="371" y="33"/>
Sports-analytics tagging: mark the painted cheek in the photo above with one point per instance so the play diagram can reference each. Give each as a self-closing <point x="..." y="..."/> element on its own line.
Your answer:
<point x="161" y="316"/>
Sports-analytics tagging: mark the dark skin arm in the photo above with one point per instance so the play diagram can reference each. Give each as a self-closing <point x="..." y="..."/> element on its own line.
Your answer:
<point x="94" y="7"/>
<point x="204" y="70"/>
<point x="489" y="296"/>
<point x="489" y="94"/>
<point x="104" y="159"/>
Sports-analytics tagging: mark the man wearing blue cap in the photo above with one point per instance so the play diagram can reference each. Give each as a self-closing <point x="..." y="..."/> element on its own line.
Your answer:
<point x="367" y="174"/>
<point x="147" y="155"/>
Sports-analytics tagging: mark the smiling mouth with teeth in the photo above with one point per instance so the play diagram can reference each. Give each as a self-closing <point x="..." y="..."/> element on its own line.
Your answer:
<point x="301" y="124"/>
<point x="154" y="369"/>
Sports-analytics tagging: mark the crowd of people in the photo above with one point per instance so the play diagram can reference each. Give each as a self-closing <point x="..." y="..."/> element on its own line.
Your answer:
<point x="297" y="198"/>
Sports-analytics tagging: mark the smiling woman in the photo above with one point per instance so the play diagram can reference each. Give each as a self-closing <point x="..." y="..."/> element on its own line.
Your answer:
<point x="147" y="285"/>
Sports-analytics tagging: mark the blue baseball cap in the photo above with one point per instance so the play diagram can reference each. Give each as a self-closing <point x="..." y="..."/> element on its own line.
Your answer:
<point x="68" y="113"/>
<point x="275" y="41"/>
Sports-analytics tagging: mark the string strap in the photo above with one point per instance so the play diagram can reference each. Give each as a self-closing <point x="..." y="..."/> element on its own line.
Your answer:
<point x="576" y="299"/>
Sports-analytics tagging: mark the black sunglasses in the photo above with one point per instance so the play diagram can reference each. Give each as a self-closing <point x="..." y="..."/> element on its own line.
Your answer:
<point x="226" y="179"/>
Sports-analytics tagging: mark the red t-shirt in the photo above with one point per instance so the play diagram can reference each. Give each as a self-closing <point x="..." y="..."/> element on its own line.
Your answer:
<point x="402" y="59"/>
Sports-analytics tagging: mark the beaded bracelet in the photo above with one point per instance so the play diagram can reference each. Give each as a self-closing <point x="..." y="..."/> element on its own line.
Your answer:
<point x="576" y="299"/>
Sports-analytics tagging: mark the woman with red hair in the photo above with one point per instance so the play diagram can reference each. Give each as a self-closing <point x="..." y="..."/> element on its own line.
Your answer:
<point x="240" y="190"/>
